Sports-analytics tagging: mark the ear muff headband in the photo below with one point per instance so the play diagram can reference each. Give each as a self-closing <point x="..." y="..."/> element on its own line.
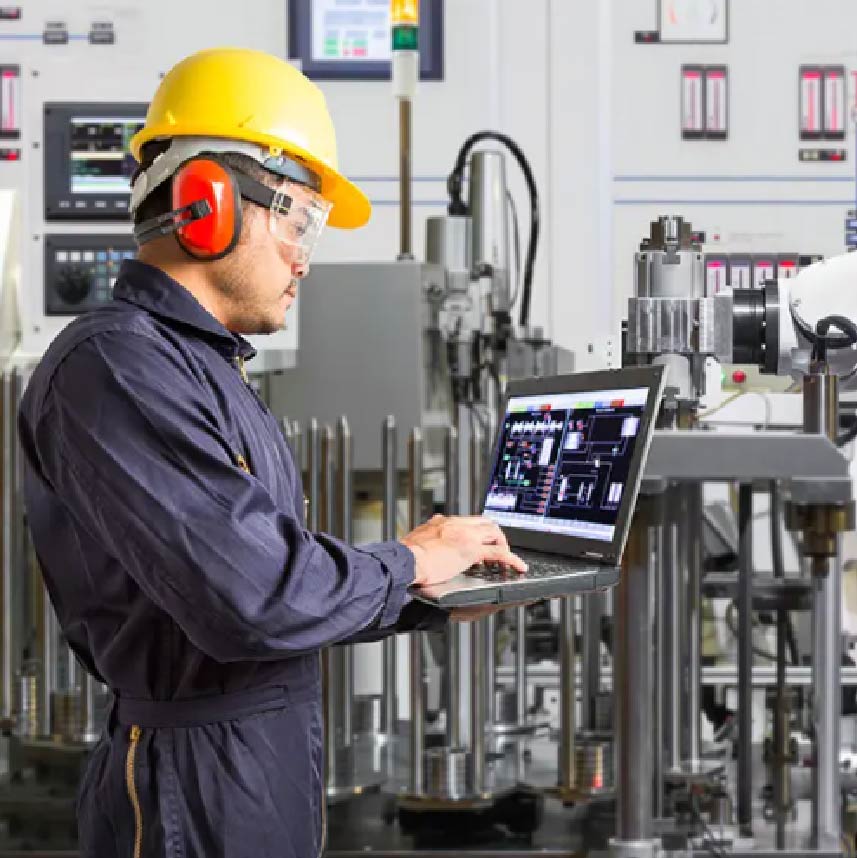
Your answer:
<point x="206" y="210"/>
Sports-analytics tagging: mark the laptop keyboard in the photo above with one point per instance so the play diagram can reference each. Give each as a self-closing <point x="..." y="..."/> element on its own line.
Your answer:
<point x="537" y="568"/>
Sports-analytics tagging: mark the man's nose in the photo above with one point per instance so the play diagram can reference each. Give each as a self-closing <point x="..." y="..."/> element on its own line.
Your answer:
<point x="300" y="270"/>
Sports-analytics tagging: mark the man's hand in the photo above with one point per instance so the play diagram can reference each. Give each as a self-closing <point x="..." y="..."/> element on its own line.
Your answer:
<point x="447" y="546"/>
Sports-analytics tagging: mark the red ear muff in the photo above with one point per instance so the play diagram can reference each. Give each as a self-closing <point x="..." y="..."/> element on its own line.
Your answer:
<point x="207" y="180"/>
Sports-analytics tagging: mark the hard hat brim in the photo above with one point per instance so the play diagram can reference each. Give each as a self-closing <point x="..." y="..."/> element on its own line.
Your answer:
<point x="350" y="206"/>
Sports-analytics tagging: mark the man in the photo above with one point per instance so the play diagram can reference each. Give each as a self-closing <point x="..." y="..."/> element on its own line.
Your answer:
<point x="165" y="509"/>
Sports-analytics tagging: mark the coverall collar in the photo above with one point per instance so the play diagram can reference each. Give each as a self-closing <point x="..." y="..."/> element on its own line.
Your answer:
<point x="155" y="291"/>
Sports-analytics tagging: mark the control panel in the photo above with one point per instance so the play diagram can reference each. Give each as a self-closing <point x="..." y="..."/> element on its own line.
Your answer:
<point x="88" y="165"/>
<point x="80" y="270"/>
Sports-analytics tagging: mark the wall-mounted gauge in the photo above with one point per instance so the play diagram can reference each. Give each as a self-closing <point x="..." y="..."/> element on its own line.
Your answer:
<point x="693" y="21"/>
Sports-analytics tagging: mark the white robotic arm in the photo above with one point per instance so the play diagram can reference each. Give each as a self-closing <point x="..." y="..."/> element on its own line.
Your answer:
<point x="775" y="327"/>
<point x="823" y="289"/>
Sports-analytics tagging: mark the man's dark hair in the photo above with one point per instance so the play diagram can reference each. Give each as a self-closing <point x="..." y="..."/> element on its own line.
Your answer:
<point x="160" y="200"/>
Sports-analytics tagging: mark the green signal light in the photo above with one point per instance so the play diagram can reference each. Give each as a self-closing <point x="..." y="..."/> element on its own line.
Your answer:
<point x="405" y="38"/>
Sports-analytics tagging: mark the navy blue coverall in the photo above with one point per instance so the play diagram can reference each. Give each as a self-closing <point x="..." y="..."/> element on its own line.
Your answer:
<point x="167" y="515"/>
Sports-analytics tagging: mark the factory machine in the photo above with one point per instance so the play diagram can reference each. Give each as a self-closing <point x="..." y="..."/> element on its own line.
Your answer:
<point x="615" y="722"/>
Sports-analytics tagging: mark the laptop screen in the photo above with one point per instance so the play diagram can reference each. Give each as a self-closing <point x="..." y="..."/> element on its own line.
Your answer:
<point x="563" y="460"/>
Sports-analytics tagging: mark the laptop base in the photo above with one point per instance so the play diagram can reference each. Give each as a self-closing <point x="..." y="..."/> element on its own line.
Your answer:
<point x="483" y="587"/>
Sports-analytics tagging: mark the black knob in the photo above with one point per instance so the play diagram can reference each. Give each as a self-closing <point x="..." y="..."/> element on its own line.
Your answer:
<point x="73" y="285"/>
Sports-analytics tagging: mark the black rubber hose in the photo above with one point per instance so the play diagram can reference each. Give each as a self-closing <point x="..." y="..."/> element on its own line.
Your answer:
<point x="457" y="206"/>
<point x="821" y="339"/>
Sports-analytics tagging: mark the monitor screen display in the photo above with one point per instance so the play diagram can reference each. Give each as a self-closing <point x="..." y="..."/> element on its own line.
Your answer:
<point x="101" y="161"/>
<point x="562" y="461"/>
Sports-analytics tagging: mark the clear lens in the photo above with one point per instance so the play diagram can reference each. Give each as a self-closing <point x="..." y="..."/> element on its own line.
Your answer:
<point x="297" y="218"/>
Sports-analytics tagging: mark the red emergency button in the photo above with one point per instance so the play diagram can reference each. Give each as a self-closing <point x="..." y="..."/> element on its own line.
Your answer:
<point x="739" y="376"/>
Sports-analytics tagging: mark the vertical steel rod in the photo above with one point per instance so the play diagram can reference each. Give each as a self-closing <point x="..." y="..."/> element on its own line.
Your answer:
<point x="415" y="485"/>
<point x="745" y="659"/>
<point x="48" y="647"/>
<point x="672" y="663"/>
<point x="9" y="511"/>
<point x="521" y="664"/>
<point x="298" y="447"/>
<point x="567" y="694"/>
<point x="633" y="688"/>
<point x="827" y="702"/>
<point x="656" y="571"/>
<point x="313" y="463"/>
<point x="693" y="698"/>
<point x="590" y="674"/>
<point x="390" y="474"/>
<point x="478" y="687"/>
<point x="405" y="179"/>
<point x="332" y="705"/>
<point x="453" y="630"/>
<point x="88" y="725"/>
<point x="288" y="430"/>
<point x="345" y="531"/>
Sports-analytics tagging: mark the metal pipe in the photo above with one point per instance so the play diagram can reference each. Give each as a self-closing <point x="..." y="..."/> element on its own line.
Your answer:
<point x="327" y="494"/>
<point x="332" y="705"/>
<point x="745" y="659"/>
<point x="693" y="696"/>
<point x="88" y="725"/>
<point x="567" y="694"/>
<point x="453" y="630"/>
<point x="478" y="633"/>
<point x="477" y="705"/>
<point x="48" y="647"/>
<point x="634" y="663"/>
<point x="297" y="447"/>
<point x="491" y="714"/>
<point x="782" y="729"/>
<point x="287" y="428"/>
<point x="345" y="531"/>
<point x="390" y="474"/>
<point x="827" y="703"/>
<point x="7" y="667"/>
<point x="521" y="664"/>
<point x="672" y="662"/>
<point x="592" y="614"/>
<point x="415" y="485"/>
<point x="656" y="567"/>
<point x="313" y="486"/>
<point x="405" y="179"/>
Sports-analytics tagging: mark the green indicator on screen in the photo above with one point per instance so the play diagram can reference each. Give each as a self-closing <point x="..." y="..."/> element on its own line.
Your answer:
<point x="405" y="38"/>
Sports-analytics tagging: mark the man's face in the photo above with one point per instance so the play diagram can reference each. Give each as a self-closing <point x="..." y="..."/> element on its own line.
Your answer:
<point x="259" y="279"/>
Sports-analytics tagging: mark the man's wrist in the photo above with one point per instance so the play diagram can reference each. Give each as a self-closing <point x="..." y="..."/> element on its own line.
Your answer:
<point x="419" y="553"/>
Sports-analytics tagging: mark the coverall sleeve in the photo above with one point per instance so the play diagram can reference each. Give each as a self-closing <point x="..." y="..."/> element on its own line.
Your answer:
<point x="131" y="439"/>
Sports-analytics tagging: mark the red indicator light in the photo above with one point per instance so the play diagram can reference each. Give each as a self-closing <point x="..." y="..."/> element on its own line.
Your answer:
<point x="739" y="376"/>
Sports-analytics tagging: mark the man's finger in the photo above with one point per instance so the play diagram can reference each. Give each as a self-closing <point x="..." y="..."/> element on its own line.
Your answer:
<point x="496" y="554"/>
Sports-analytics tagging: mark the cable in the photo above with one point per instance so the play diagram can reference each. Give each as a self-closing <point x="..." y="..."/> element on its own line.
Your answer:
<point x="730" y="399"/>
<point x="457" y="206"/>
<point x="517" y="237"/>
<point x="823" y="341"/>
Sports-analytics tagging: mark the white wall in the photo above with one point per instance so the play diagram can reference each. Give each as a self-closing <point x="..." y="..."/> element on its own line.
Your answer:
<point x="596" y="115"/>
<point x="751" y="189"/>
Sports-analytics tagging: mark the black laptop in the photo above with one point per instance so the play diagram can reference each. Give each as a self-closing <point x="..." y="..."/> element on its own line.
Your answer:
<point x="565" y="472"/>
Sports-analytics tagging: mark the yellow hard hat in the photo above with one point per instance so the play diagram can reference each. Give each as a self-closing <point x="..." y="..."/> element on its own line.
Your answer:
<point x="251" y="96"/>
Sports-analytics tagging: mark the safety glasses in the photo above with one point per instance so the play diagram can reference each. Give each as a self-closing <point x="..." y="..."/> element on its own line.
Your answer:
<point x="297" y="217"/>
<point x="296" y="214"/>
